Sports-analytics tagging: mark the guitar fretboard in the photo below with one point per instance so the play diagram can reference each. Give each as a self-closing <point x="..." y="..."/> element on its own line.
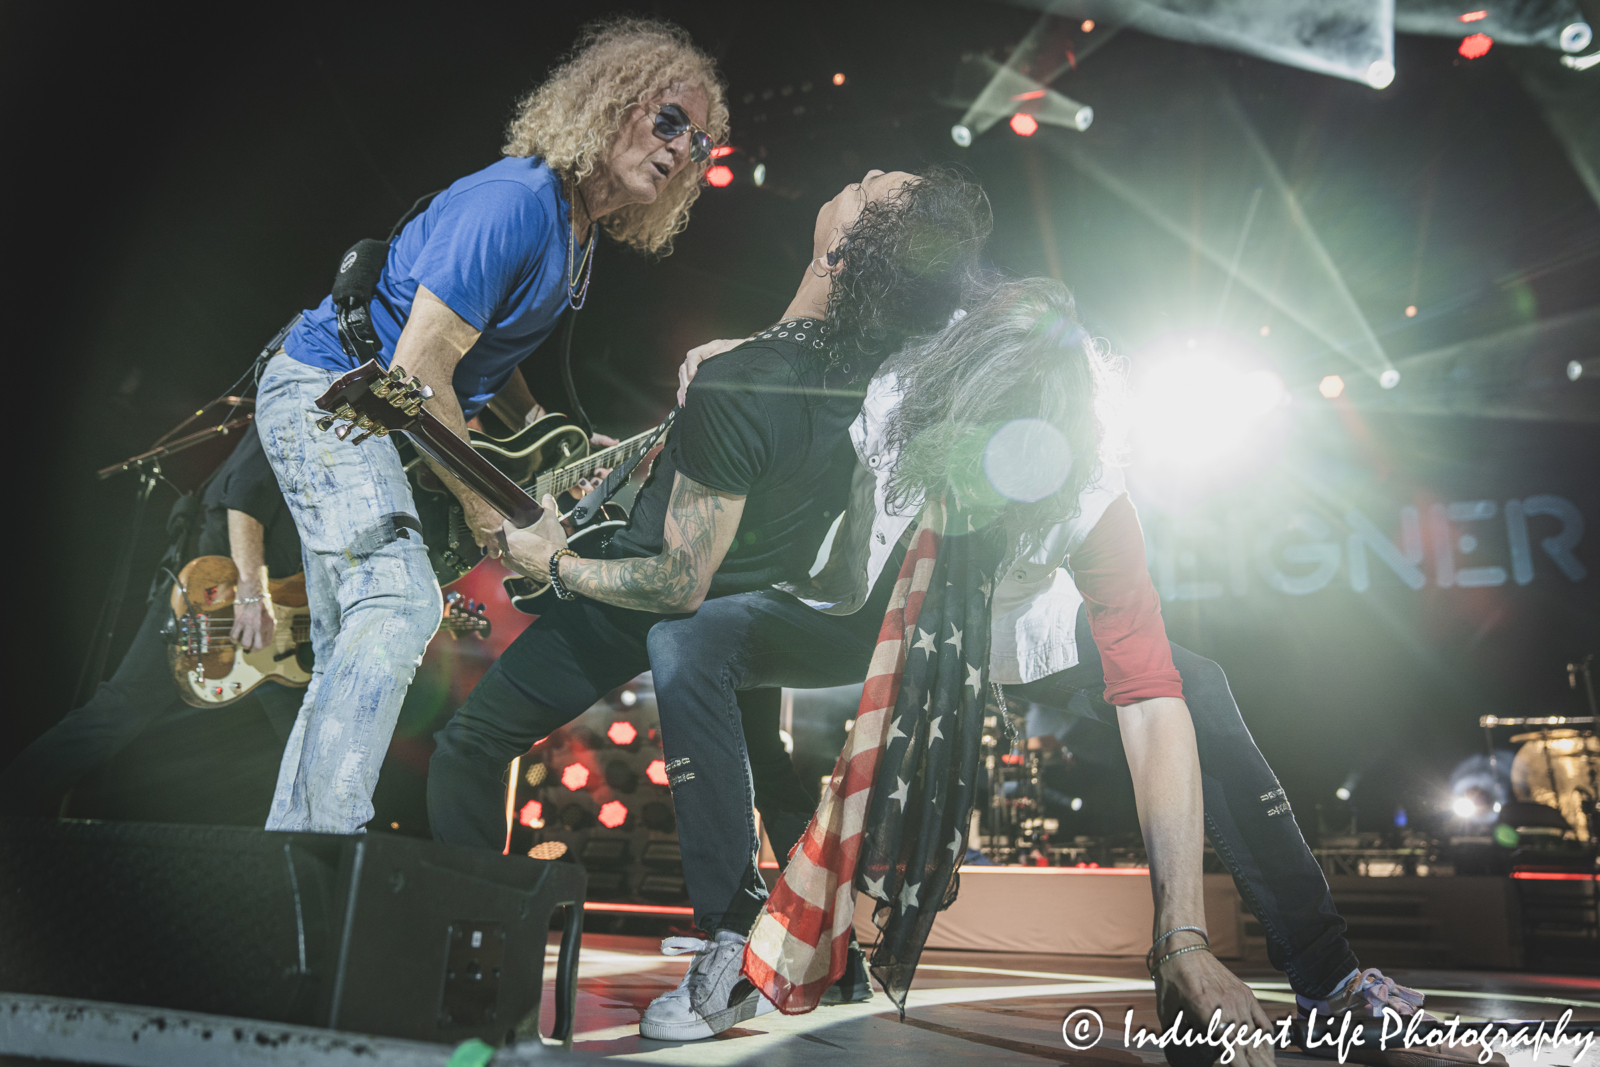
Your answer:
<point x="562" y="479"/>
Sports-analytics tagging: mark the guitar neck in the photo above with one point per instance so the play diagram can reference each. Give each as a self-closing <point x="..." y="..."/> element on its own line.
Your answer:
<point x="441" y="444"/>
<point x="562" y="479"/>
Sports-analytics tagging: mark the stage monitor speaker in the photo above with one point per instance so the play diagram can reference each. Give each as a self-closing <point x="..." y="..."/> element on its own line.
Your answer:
<point x="369" y="933"/>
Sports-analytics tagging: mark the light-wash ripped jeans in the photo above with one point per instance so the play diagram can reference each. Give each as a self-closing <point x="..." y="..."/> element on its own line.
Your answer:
<point x="374" y="601"/>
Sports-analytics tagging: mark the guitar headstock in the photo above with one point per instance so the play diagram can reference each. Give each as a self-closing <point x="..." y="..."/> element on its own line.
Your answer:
<point x="373" y="400"/>
<point x="462" y="616"/>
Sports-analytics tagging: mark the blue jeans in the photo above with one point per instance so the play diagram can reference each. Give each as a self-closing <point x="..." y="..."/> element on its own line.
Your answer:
<point x="374" y="601"/>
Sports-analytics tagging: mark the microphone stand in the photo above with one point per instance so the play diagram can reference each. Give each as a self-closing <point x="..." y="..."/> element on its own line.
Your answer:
<point x="147" y="466"/>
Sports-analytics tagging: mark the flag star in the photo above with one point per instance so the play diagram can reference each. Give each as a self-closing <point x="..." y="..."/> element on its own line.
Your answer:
<point x="973" y="679"/>
<point x="956" y="640"/>
<point x="933" y="730"/>
<point x="985" y="588"/>
<point x="927" y="705"/>
<point x="900" y="794"/>
<point x="924" y="641"/>
<point x="894" y="731"/>
<point x="955" y="846"/>
<point x="969" y="524"/>
<point x="875" y="888"/>
<point x="908" y="895"/>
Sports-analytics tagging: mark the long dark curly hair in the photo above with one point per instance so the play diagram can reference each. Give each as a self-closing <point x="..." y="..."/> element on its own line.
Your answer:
<point x="906" y="263"/>
<point x="1007" y="408"/>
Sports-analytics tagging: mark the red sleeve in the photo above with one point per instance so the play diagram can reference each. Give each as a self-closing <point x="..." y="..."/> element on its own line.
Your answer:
<point x="1124" y="610"/>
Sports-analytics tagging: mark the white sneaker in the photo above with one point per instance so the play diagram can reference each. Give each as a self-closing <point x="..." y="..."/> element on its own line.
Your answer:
<point x="713" y="995"/>
<point x="1367" y="993"/>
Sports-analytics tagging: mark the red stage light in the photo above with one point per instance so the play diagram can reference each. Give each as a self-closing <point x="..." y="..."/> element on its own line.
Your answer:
<point x="719" y="176"/>
<point x="1025" y="125"/>
<point x="1013" y="758"/>
<point x="1476" y="45"/>
<point x="838" y="79"/>
<point x="722" y="150"/>
<point x="531" y="814"/>
<point x="622" y="733"/>
<point x="575" y="776"/>
<point x="1474" y="16"/>
<point x="657" y="771"/>
<point x="1037" y="94"/>
<point x="613" y="813"/>
<point x="1088" y="26"/>
<point x="1411" y="311"/>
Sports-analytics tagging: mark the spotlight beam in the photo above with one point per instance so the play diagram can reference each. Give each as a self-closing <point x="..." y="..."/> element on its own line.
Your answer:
<point x="1007" y="81"/>
<point x="1275" y="176"/>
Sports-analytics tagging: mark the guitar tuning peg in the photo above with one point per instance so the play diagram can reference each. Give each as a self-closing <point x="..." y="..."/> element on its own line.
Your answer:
<point x="427" y="392"/>
<point x="343" y="432"/>
<point x="396" y="374"/>
<point x="326" y="422"/>
<point x="363" y="437"/>
<point x="452" y="597"/>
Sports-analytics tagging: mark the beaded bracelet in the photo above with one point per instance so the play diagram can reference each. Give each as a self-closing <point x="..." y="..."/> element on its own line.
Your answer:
<point x="555" y="573"/>
<point x="250" y="600"/>
<point x="1179" y="952"/>
<point x="1151" y="955"/>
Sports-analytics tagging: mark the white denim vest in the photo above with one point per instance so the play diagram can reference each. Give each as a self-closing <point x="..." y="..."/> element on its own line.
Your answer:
<point x="1035" y="608"/>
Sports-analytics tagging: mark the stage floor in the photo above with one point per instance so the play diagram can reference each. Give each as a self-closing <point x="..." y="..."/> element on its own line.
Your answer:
<point x="982" y="1007"/>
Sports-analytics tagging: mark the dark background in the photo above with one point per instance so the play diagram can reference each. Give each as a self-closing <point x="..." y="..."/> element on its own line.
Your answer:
<point x="180" y="182"/>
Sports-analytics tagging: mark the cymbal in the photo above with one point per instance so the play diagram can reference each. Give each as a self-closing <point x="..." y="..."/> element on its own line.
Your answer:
<point x="1552" y="735"/>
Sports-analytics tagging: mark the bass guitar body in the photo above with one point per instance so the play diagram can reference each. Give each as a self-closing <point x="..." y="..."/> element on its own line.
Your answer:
<point x="209" y="669"/>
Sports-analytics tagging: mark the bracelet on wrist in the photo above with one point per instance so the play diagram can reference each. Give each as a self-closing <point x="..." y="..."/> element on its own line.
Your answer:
<point x="1149" y="957"/>
<point x="1177" y="952"/>
<point x="556" y="585"/>
<point x="250" y="599"/>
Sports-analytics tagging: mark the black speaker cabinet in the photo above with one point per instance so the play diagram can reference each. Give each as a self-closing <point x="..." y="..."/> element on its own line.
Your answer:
<point x="371" y="933"/>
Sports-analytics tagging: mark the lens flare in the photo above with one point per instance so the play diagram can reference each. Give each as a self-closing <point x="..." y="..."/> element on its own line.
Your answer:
<point x="1024" y="125"/>
<point x="1027" y="460"/>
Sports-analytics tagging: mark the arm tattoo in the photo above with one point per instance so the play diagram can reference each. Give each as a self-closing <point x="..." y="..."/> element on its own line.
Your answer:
<point x="700" y="524"/>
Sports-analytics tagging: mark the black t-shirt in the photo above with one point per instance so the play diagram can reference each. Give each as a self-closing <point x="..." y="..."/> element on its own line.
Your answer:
<point x="245" y="482"/>
<point x="761" y="424"/>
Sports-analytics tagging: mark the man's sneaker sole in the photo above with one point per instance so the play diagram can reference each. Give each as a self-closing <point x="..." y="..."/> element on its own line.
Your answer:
<point x="709" y="1026"/>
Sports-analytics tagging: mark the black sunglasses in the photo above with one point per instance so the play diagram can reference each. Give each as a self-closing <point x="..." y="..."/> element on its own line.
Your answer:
<point x="672" y="120"/>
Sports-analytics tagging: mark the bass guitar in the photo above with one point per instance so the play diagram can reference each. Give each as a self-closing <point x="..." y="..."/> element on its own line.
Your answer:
<point x="209" y="667"/>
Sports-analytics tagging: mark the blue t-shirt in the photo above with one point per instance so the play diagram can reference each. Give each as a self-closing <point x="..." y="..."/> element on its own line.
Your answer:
<point x="493" y="247"/>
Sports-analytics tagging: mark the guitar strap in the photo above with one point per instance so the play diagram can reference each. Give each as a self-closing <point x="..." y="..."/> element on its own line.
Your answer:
<point x="589" y="507"/>
<point x="357" y="282"/>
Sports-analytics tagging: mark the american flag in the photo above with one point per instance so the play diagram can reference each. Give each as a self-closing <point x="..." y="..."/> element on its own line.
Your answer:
<point x="893" y="818"/>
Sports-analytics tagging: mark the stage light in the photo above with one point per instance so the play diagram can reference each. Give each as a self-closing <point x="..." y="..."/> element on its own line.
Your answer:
<point x="629" y="698"/>
<point x="719" y="176"/>
<point x="1463" y="807"/>
<point x="1024" y="125"/>
<point x="535" y="774"/>
<point x="622" y="732"/>
<point x="759" y="175"/>
<point x="574" y="817"/>
<point x="722" y="150"/>
<point x="532" y="814"/>
<point x="961" y="135"/>
<point x="1389" y="378"/>
<point x="575" y="776"/>
<point x="548" y="850"/>
<point x="1331" y="386"/>
<point x="1574" y="370"/>
<point x="1411" y="311"/>
<point x="657" y="771"/>
<point x="1034" y="94"/>
<point x="838" y="79"/>
<point x="1266" y="331"/>
<point x="1077" y="804"/>
<point x="613" y="813"/>
<point x="1196" y="407"/>
<point x="1342" y="793"/>
<point x="1380" y="74"/>
<point x="1476" y="46"/>
<point x="1575" y="36"/>
<point x="1400" y="817"/>
<point x="1087" y="26"/>
<point x="1474" y="16"/>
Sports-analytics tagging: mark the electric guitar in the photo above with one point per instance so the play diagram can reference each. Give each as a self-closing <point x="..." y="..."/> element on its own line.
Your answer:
<point x="209" y="667"/>
<point x="549" y="456"/>
<point x="380" y="402"/>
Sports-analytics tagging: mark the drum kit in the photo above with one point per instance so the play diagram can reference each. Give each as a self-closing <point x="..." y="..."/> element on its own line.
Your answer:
<point x="1558" y="765"/>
